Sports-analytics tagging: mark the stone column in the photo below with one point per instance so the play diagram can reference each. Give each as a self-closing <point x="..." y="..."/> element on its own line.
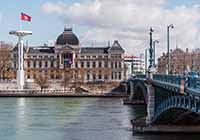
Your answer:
<point x="150" y="102"/>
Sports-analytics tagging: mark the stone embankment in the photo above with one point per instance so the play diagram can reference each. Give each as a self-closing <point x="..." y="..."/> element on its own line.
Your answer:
<point x="56" y="93"/>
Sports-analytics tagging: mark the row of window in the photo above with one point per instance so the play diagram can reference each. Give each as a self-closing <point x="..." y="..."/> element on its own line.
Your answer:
<point x="100" y="64"/>
<point x="38" y="56"/>
<point x="114" y="76"/>
<point x="93" y="56"/>
<point x="46" y="64"/>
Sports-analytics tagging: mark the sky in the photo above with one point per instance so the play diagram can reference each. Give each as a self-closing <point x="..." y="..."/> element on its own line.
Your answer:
<point x="99" y="21"/>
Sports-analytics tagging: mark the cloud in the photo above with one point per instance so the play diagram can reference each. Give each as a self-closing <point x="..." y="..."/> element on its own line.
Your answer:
<point x="129" y="22"/>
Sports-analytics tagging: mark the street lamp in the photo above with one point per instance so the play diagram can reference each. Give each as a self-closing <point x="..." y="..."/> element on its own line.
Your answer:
<point x="168" y="60"/>
<point x="151" y="49"/>
<point x="154" y="51"/>
<point x="146" y="56"/>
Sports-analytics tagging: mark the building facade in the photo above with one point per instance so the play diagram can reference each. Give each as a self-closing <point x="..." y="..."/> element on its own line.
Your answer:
<point x="67" y="57"/>
<point x="180" y="62"/>
<point x="134" y="65"/>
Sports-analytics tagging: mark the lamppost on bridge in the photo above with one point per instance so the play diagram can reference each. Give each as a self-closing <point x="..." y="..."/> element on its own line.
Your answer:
<point x="154" y="51"/>
<point x="146" y="57"/>
<point x="151" y="49"/>
<point x="151" y="68"/>
<point x="168" y="55"/>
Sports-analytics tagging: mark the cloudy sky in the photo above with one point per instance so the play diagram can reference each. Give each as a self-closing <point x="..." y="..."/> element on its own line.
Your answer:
<point x="99" y="21"/>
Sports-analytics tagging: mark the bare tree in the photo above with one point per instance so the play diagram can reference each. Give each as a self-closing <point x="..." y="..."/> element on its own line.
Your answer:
<point x="67" y="77"/>
<point x="42" y="81"/>
<point x="5" y="62"/>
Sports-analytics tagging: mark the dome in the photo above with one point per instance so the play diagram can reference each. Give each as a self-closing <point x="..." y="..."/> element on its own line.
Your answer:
<point x="67" y="37"/>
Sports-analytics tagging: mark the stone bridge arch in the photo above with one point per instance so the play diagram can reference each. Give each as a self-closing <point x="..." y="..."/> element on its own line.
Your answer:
<point x="138" y="92"/>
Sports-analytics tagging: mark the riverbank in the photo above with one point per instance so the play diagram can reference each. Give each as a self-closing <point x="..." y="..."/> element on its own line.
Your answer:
<point x="57" y="93"/>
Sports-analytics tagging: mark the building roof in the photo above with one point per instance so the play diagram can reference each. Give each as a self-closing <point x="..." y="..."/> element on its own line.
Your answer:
<point x="116" y="47"/>
<point x="67" y="37"/>
<point x="101" y="50"/>
<point x="41" y="49"/>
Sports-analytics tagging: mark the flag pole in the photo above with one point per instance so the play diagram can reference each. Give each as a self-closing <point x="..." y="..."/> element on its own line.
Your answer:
<point x="20" y="24"/>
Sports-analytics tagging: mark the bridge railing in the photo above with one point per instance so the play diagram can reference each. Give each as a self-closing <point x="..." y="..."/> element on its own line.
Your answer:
<point x="193" y="82"/>
<point x="174" y="79"/>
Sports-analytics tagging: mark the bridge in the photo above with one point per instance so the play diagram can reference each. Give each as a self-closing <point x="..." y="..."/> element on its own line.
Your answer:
<point x="169" y="99"/>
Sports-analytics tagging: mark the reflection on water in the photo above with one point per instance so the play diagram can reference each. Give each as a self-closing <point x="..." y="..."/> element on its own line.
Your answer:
<point x="71" y="119"/>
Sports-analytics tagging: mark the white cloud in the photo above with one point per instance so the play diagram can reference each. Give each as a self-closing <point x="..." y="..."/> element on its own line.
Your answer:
<point x="129" y="22"/>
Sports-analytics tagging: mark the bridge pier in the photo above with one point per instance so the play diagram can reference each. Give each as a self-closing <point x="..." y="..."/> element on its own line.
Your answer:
<point x="132" y="92"/>
<point x="150" y="102"/>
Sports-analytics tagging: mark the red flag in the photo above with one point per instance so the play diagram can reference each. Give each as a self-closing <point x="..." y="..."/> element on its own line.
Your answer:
<point x="25" y="17"/>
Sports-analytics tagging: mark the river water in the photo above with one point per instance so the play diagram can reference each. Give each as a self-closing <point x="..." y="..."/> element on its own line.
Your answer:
<point x="72" y="119"/>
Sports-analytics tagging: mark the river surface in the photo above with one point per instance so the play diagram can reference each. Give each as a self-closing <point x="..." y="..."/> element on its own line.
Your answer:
<point x="72" y="119"/>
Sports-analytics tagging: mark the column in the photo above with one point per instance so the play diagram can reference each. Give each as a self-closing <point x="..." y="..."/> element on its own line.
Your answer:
<point x="150" y="102"/>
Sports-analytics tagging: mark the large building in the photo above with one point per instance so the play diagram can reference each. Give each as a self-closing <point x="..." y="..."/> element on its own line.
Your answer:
<point x="180" y="61"/>
<point x="134" y="65"/>
<point x="67" y="57"/>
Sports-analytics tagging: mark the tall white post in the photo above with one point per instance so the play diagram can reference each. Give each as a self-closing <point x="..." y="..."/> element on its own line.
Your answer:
<point x="20" y="71"/>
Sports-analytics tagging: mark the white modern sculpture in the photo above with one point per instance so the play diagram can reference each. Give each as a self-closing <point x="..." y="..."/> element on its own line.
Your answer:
<point x="20" y="72"/>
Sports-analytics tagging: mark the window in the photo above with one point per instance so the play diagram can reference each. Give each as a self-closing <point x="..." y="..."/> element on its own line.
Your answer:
<point x="100" y="76"/>
<point x="82" y="64"/>
<point x="106" y="77"/>
<point x="88" y="76"/>
<point x="52" y="64"/>
<point x="46" y="64"/>
<point x="28" y="76"/>
<point x="120" y="65"/>
<point x="14" y="55"/>
<point x="94" y="76"/>
<point x="106" y="64"/>
<point x="120" y="76"/>
<point x="115" y="64"/>
<point x="94" y="64"/>
<point x="88" y="64"/>
<point x="34" y="64"/>
<point x="28" y="64"/>
<point x="40" y="64"/>
<point x="76" y="64"/>
<point x="15" y="64"/>
<point x="112" y="76"/>
<point x="100" y="64"/>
